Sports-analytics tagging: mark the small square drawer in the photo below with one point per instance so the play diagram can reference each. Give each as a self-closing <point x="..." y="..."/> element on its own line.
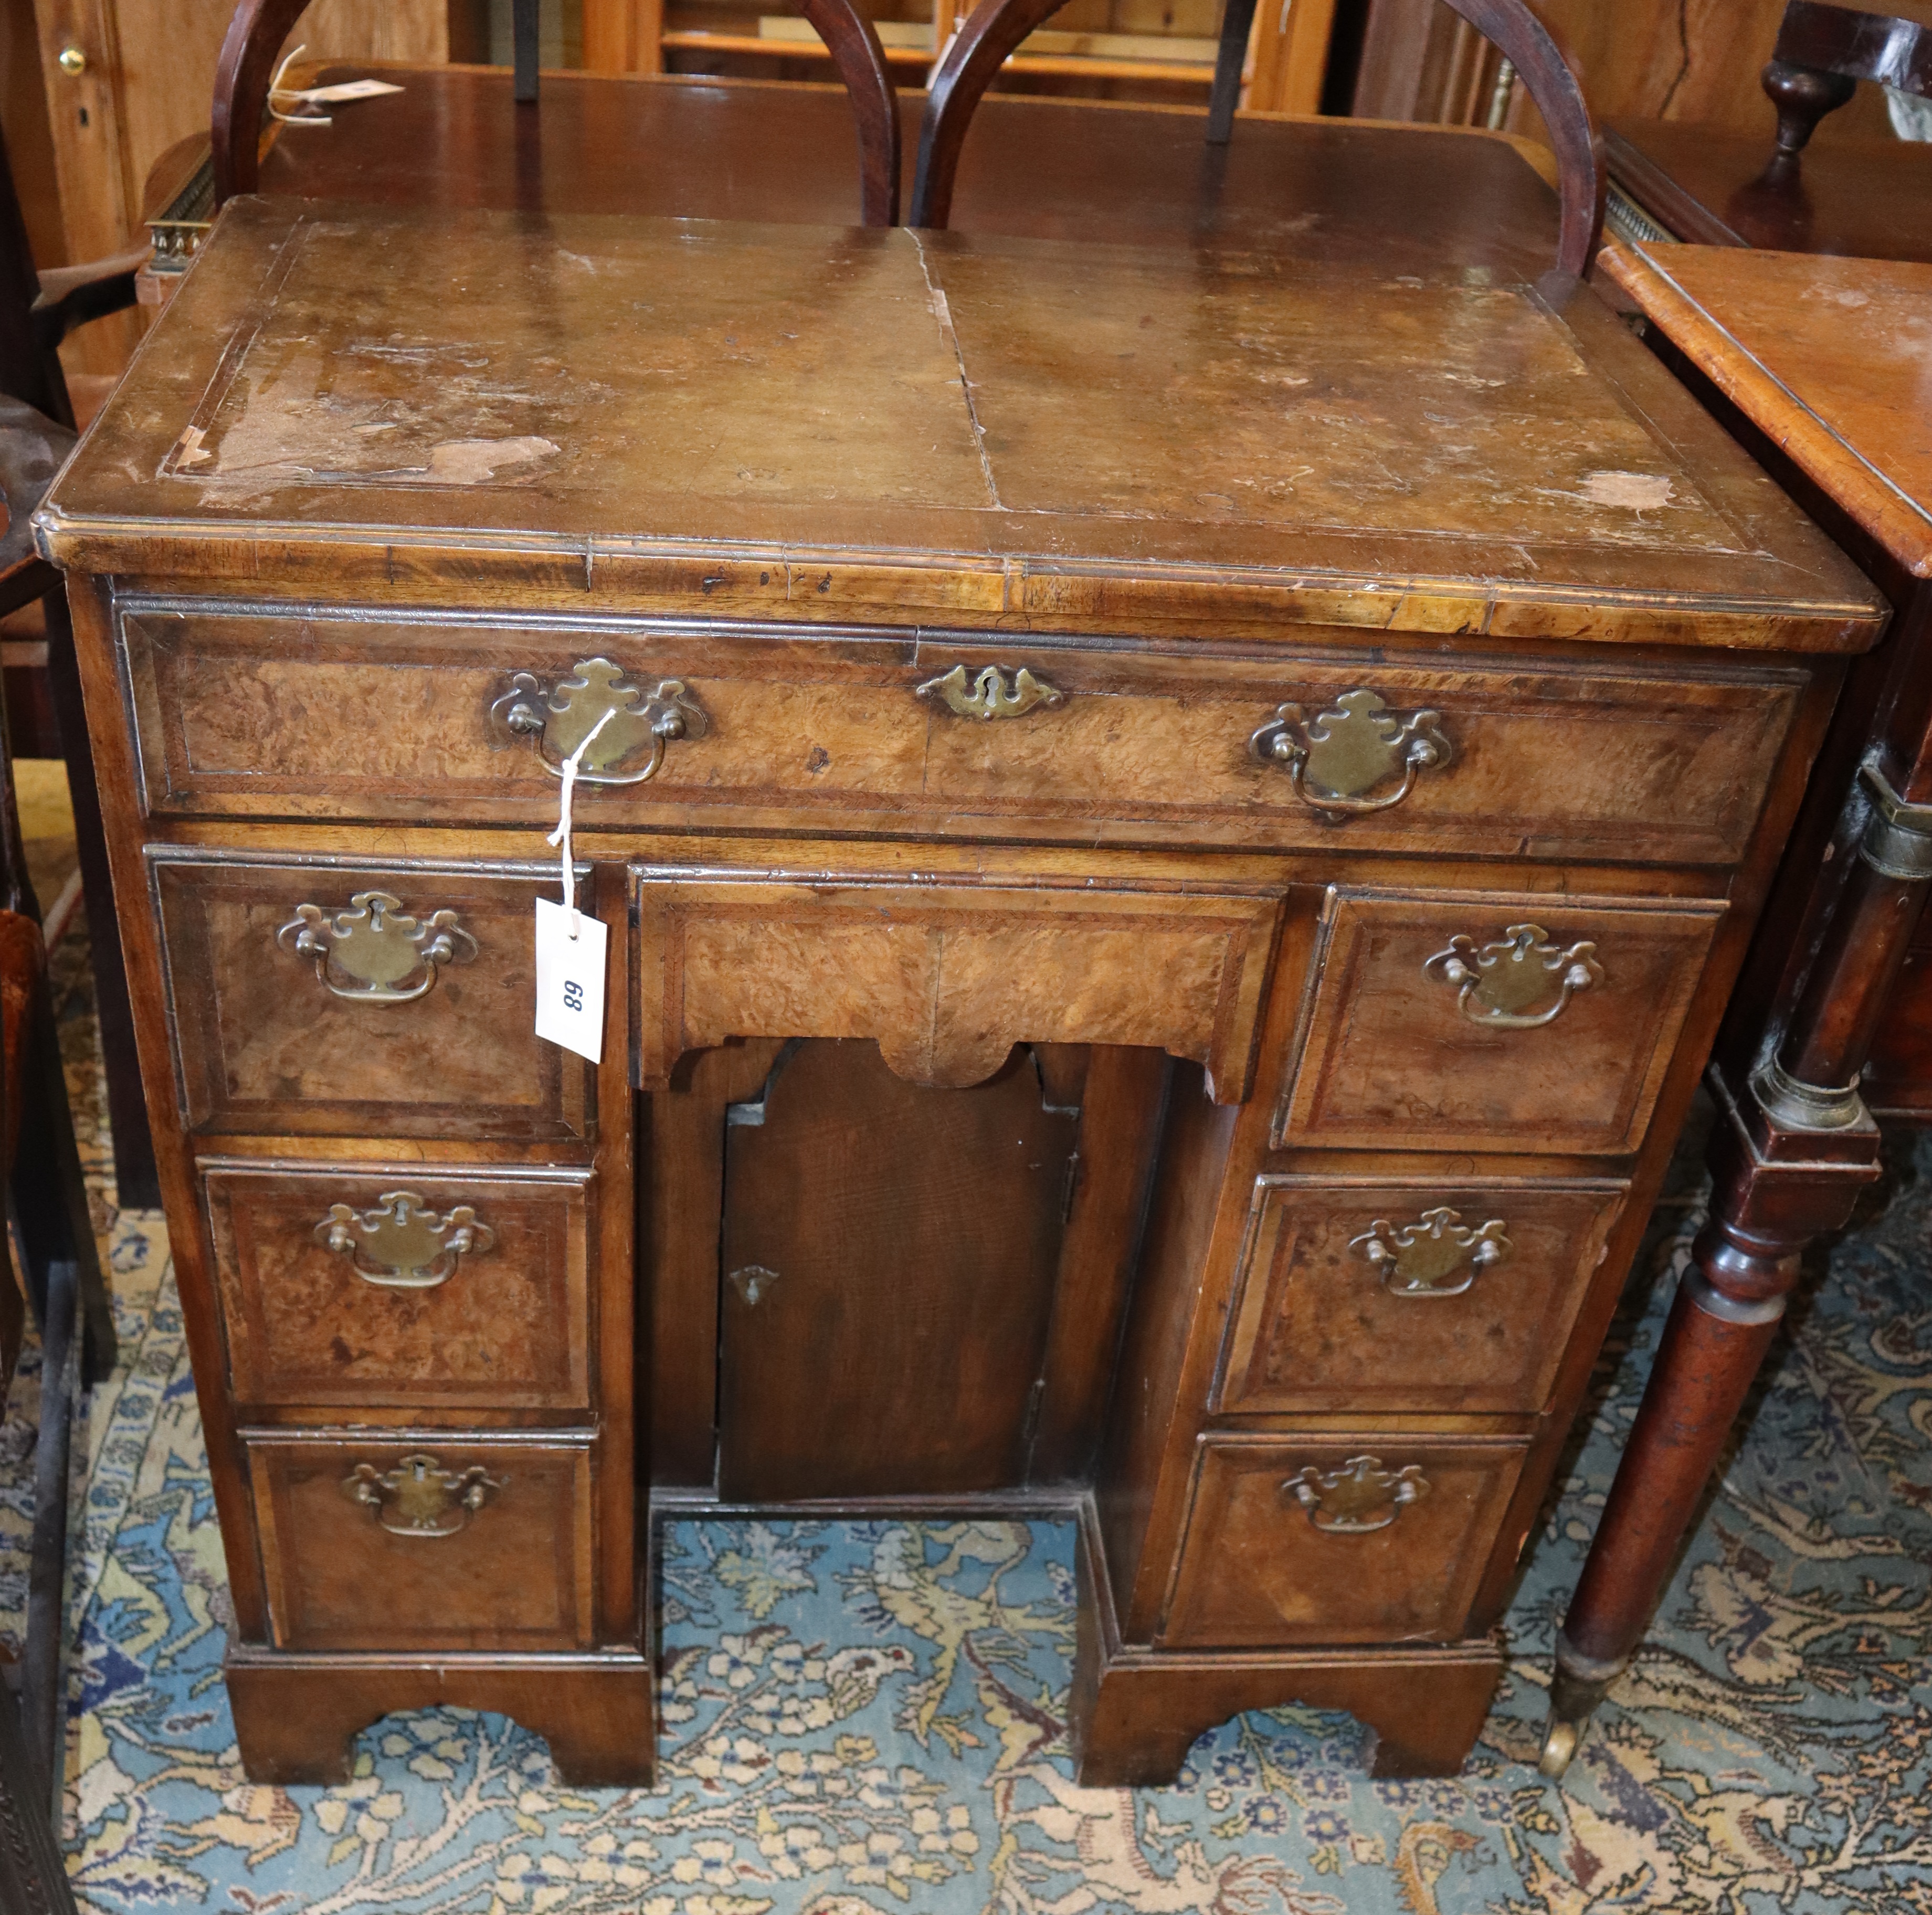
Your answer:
<point x="1423" y="1297"/>
<point x="325" y="999"/>
<point x="451" y="1541"/>
<point x="343" y="1286"/>
<point x="1481" y="1022"/>
<point x="1325" y="1539"/>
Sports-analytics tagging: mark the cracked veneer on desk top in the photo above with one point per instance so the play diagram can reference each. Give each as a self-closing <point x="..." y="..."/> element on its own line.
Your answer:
<point x="1417" y="449"/>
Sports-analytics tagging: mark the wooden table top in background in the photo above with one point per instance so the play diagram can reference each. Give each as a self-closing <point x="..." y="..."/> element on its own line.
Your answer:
<point x="1034" y="167"/>
<point x="989" y="426"/>
<point x="1865" y="198"/>
<point x="1830" y="359"/>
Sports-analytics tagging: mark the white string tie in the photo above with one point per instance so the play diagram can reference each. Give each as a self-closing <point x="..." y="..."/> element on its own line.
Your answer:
<point x="561" y="834"/>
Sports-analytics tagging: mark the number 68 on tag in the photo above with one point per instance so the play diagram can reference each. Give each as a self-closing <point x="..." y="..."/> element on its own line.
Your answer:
<point x="570" y="979"/>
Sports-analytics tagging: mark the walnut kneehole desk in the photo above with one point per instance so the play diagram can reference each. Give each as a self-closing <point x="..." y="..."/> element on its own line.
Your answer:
<point x="1175" y="832"/>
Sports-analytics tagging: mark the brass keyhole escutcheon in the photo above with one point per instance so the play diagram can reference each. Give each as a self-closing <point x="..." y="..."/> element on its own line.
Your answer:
<point x="987" y="694"/>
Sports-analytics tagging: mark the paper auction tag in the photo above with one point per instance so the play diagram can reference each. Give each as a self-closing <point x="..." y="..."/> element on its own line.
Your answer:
<point x="331" y="96"/>
<point x="570" y="978"/>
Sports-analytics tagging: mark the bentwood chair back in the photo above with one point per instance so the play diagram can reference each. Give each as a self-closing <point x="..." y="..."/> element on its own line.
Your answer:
<point x="259" y="28"/>
<point x="995" y="29"/>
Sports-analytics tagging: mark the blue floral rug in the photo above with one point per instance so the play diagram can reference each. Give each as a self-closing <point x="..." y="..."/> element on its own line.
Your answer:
<point x="866" y="1717"/>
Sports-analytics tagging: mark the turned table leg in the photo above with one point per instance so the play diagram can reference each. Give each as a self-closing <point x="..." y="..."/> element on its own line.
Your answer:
<point x="1793" y="1149"/>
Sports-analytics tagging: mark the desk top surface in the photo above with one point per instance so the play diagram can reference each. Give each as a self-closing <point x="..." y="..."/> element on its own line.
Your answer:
<point x="989" y="413"/>
<point x="1831" y="358"/>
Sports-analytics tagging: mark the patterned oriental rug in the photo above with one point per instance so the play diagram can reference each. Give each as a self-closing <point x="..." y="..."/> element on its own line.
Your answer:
<point x="863" y="1719"/>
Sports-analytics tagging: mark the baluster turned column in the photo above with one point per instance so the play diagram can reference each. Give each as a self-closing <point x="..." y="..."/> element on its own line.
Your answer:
<point x="1791" y="1153"/>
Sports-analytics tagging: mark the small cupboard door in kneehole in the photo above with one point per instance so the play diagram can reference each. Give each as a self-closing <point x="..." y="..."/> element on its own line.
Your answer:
<point x="889" y="1258"/>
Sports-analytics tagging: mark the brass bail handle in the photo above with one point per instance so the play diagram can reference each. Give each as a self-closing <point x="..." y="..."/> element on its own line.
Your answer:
<point x="375" y="952"/>
<point x="1337" y="758"/>
<point x="1359" y="1498"/>
<point x="597" y="699"/>
<point x="419" y="1498"/>
<point x="402" y="1244"/>
<point x="1518" y="982"/>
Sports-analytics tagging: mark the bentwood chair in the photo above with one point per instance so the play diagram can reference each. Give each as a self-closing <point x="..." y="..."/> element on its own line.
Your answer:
<point x="260" y="27"/>
<point x="50" y="1223"/>
<point x="996" y="28"/>
<point x="38" y="311"/>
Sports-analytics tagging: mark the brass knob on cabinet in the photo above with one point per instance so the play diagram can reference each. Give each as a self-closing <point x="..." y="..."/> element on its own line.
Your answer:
<point x="72" y="61"/>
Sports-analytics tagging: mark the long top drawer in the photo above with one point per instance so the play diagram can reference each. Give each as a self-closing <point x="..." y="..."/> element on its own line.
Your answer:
<point x="271" y="713"/>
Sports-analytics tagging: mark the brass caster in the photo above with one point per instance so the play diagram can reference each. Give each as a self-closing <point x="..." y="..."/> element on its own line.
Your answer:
<point x="1560" y="1739"/>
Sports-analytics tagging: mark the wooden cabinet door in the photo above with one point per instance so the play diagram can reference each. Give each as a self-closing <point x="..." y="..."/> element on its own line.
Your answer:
<point x="890" y="1254"/>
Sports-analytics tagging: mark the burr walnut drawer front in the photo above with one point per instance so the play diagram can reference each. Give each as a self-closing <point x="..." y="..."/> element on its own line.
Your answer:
<point x="443" y="1541"/>
<point x="1419" y="1298"/>
<point x="331" y="999"/>
<point x="341" y="1286"/>
<point x="361" y="715"/>
<point x="1487" y="1022"/>
<point x="948" y="976"/>
<point x="1381" y="1539"/>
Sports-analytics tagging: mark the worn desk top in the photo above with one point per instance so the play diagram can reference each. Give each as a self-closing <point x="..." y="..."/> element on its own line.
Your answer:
<point x="1830" y="359"/>
<point x="771" y="416"/>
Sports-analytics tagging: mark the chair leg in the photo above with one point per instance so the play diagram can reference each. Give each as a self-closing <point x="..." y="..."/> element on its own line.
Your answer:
<point x="1232" y="56"/>
<point x="33" y="1878"/>
<point x="523" y="47"/>
<point x="43" y="1715"/>
<point x="137" y="1185"/>
<point x="50" y="1197"/>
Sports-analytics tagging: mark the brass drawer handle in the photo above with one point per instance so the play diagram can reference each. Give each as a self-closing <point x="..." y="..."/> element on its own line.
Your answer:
<point x="389" y="957"/>
<point x="1519" y="983"/>
<point x="403" y="1244"/>
<point x="419" y="1497"/>
<point x="561" y="719"/>
<point x="1359" y="1497"/>
<point x="1438" y="1255"/>
<point x="1335" y="759"/>
<point x="988" y="696"/>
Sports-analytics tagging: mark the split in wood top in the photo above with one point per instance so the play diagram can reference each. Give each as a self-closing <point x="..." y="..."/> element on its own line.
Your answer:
<point x="1006" y="410"/>
<point x="1830" y="359"/>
